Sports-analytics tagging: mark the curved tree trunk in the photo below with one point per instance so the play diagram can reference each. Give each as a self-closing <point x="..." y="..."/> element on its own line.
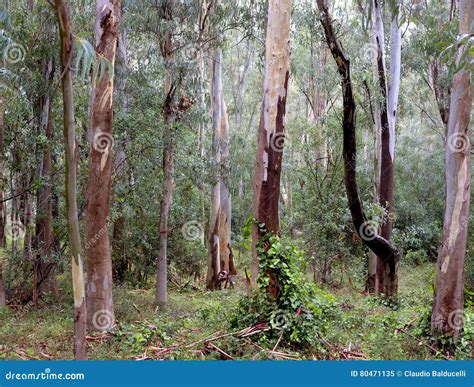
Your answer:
<point x="100" y="305"/>
<point x="67" y="45"/>
<point x="448" y="305"/>
<point x="379" y="246"/>
<point x="271" y="133"/>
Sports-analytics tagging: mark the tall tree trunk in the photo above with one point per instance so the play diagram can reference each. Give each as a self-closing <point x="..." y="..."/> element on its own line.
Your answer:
<point x="120" y="264"/>
<point x="448" y="305"/>
<point x="100" y="305"/>
<point x="202" y="129"/>
<point x="67" y="45"/>
<point x="220" y="252"/>
<point x="386" y="279"/>
<point x="380" y="246"/>
<point x="43" y="243"/>
<point x="161" y="295"/>
<point x="225" y="211"/>
<point x="271" y="133"/>
<point x="214" y="258"/>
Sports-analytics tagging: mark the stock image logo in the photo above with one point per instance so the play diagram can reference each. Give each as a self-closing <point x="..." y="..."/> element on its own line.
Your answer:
<point x="14" y="53"/>
<point x="277" y="142"/>
<point x="456" y="319"/>
<point x="369" y="51"/>
<point x="459" y="142"/>
<point x="103" y="142"/>
<point x="192" y="230"/>
<point x="15" y="230"/>
<point x="280" y="320"/>
<point x="369" y="230"/>
<point x="103" y="320"/>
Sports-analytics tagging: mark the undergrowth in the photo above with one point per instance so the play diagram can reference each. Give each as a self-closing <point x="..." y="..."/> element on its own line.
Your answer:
<point x="297" y="313"/>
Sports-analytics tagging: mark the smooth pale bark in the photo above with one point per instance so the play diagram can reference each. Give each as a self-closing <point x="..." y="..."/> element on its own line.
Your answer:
<point x="395" y="68"/>
<point x="214" y="258"/>
<point x="202" y="129"/>
<point x="225" y="212"/>
<point x="380" y="246"/>
<point x="448" y="305"/>
<point x="220" y="252"/>
<point x="100" y="307"/>
<point x="67" y="45"/>
<point x="266" y="183"/>
<point x="372" y="279"/>
<point x="161" y="294"/>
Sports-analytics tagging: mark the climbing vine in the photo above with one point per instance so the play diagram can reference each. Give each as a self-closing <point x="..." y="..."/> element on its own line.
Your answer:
<point x="293" y="307"/>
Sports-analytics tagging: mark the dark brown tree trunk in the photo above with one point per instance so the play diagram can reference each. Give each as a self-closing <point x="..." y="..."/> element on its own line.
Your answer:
<point x="380" y="246"/>
<point x="448" y="305"/>
<point x="100" y="307"/>
<point x="63" y="9"/>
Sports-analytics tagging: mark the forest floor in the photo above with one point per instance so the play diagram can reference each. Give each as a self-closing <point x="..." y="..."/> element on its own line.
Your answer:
<point x="195" y="325"/>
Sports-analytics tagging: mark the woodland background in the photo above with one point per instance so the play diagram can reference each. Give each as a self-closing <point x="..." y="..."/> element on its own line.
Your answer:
<point x="128" y="140"/>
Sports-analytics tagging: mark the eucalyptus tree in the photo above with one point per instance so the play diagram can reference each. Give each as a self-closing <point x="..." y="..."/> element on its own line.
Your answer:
<point x="271" y="132"/>
<point x="100" y="305"/>
<point x="448" y="305"/>
<point x="220" y="260"/>
<point x="379" y="245"/>
<point x="63" y="9"/>
<point x="383" y="273"/>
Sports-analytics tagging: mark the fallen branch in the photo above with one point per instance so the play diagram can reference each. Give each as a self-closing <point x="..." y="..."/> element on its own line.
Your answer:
<point x="216" y="348"/>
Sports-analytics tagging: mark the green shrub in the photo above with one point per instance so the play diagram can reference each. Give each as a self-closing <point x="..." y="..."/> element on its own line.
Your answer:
<point x="300" y="312"/>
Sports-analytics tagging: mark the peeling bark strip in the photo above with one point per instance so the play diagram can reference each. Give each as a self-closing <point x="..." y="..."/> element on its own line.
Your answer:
<point x="448" y="303"/>
<point x="99" y="261"/>
<point x="379" y="245"/>
<point x="266" y="183"/>
<point x="63" y="10"/>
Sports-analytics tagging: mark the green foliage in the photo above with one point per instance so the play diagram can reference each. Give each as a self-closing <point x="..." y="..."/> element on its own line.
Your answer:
<point x="300" y="312"/>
